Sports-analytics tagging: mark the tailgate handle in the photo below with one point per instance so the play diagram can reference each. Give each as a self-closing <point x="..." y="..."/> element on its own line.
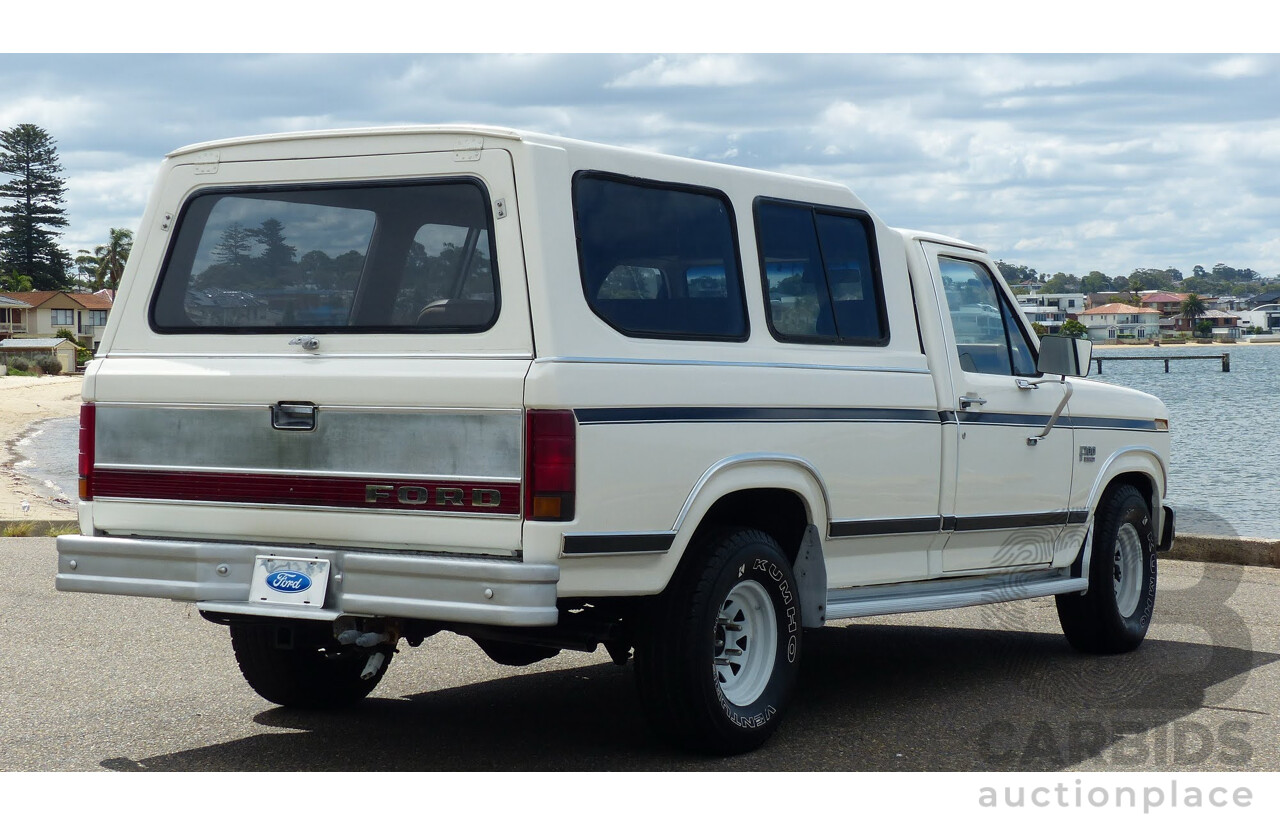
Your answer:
<point x="293" y="415"/>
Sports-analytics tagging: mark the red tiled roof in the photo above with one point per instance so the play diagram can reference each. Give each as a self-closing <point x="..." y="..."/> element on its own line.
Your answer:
<point x="35" y="299"/>
<point x="1120" y="309"/>
<point x="1164" y="298"/>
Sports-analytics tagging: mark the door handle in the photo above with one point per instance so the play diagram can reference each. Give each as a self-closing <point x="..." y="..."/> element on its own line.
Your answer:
<point x="969" y="399"/>
<point x="293" y="415"/>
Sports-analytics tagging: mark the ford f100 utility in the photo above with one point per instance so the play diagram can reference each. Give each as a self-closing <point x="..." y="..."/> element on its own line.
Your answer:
<point x="364" y="386"/>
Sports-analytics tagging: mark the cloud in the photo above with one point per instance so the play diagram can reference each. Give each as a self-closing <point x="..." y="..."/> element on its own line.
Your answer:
<point x="1062" y="162"/>
<point x="55" y="114"/>
<point x="707" y="70"/>
<point x="1236" y="67"/>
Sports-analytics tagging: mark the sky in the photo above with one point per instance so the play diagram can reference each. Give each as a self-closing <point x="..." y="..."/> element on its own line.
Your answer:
<point x="1058" y="161"/>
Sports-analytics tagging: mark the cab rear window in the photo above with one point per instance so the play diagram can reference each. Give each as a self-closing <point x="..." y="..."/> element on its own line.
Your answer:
<point x="411" y="257"/>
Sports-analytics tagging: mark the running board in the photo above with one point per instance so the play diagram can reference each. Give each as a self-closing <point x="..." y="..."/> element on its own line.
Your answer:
<point x="945" y="594"/>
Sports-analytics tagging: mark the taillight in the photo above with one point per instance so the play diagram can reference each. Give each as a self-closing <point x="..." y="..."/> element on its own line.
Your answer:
<point x="87" y="419"/>
<point x="550" y="476"/>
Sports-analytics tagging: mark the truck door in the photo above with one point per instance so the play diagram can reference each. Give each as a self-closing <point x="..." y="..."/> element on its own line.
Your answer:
<point x="1010" y="494"/>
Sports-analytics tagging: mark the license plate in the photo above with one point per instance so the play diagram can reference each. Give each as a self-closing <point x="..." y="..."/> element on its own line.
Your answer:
<point x="289" y="581"/>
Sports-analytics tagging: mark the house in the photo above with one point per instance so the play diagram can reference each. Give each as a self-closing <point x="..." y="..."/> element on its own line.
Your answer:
<point x="1097" y="299"/>
<point x="1050" y="318"/>
<point x="13" y="317"/>
<point x="1112" y="321"/>
<point x="1224" y="323"/>
<point x="1259" y="301"/>
<point x="48" y="312"/>
<point x="1050" y="310"/>
<point x="1166" y="303"/>
<point x="1068" y="302"/>
<point x="1266" y="317"/>
<point x="33" y="348"/>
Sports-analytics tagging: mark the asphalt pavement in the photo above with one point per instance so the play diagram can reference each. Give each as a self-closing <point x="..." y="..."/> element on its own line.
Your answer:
<point x="103" y="683"/>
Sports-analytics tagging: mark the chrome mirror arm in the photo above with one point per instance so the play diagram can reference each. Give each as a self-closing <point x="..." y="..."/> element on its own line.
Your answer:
<point x="1053" y="419"/>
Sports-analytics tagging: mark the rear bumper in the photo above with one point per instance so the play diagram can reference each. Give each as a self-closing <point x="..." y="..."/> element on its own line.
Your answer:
<point x="216" y="576"/>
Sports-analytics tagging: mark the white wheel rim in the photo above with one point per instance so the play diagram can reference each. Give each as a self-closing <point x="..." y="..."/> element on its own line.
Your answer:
<point x="1127" y="570"/>
<point x="746" y="643"/>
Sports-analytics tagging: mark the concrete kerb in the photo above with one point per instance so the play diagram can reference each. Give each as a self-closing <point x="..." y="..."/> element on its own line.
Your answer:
<point x="1217" y="549"/>
<point x="1256" y="552"/>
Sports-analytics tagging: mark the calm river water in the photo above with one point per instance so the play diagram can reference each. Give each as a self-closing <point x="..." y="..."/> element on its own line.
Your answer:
<point x="1221" y="481"/>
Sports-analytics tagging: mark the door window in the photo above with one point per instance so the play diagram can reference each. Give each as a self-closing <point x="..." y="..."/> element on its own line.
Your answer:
<point x="988" y="337"/>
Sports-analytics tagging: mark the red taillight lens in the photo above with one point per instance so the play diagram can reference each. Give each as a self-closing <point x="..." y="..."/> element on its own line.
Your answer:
<point x="550" y="477"/>
<point x="87" y="419"/>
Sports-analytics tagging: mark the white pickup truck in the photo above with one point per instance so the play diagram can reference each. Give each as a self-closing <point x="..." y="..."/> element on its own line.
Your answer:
<point x="363" y="386"/>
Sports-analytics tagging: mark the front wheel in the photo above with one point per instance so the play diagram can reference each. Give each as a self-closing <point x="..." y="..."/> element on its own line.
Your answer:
<point x="301" y="665"/>
<point x="1113" y="616"/>
<point x="716" y="661"/>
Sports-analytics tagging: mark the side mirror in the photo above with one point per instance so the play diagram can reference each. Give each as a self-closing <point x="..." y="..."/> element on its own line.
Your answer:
<point x="1063" y="355"/>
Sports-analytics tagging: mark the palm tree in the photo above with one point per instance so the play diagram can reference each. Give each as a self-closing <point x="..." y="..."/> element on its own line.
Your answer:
<point x="1192" y="308"/>
<point x="112" y="257"/>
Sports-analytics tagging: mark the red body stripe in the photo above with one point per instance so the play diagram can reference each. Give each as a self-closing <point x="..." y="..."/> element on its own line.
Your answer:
<point x="419" y="495"/>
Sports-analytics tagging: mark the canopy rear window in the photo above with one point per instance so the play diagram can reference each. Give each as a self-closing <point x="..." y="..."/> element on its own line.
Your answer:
<point x="406" y="257"/>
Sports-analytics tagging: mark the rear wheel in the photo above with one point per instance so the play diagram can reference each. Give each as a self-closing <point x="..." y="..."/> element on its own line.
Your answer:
<point x="301" y="665"/>
<point x="1113" y="616"/>
<point x="716" y="662"/>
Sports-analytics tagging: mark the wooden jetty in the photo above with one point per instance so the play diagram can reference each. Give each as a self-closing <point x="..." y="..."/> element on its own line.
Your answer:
<point x="1225" y="358"/>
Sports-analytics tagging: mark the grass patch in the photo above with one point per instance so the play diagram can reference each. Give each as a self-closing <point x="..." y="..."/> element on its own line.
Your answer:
<point x="63" y="530"/>
<point x="19" y="529"/>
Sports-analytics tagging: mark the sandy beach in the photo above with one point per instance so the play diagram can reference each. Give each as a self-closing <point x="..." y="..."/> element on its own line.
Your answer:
<point x="23" y="403"/>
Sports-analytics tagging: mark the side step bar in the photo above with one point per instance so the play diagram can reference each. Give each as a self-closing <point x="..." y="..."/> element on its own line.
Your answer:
<point x="945" y="594"/>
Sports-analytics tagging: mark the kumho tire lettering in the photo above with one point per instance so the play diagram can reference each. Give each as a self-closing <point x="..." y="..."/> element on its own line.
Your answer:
<point x="717" y="659"/>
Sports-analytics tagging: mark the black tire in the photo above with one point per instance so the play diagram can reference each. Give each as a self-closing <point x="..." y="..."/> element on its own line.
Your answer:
<point x="1113" y="616"/>
<point x="737" y="596"/>
<point x="300" y="664"/>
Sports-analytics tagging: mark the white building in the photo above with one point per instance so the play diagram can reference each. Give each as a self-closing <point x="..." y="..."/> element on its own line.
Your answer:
<point x="1266" y="316"/>
<point x="1050" y="310"/>
<point x="1115" y="321"/>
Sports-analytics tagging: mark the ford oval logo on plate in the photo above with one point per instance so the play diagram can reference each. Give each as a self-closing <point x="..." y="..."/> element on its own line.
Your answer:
<point x="280" y="580"/>
<point x="289" y="581"/>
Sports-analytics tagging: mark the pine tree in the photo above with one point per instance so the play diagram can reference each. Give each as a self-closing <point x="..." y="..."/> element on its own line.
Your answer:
<point x="29" y="224"/>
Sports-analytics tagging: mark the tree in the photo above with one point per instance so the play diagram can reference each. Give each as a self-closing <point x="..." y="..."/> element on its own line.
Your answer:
<point x="113" y="255"/>
<point x="13" y="282"/>
<point x="1222" y="272"/>
<point x="276" y="255"/>
<point x="1192" y="308"/>
<point x="1013" y="273"/>
<point x="1062" y="282"/>
<point x="1074" y="328"/>
<point x="28" y="225"/>
<point x="1095" y="281"/>
<point x="104" y="267"/>
<point x="87" y="267"/>
<point x="233" y="246"/>
<point x="1152" y="279"/>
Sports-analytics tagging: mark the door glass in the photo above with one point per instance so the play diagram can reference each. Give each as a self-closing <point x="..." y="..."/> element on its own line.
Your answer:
<point x="988" y="337"/>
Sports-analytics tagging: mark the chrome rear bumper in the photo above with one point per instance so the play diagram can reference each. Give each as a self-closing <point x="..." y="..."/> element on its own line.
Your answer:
<point x="216" y="576"/>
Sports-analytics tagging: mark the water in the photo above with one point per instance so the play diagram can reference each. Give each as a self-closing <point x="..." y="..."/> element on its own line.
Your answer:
<point x="1225" y="456"/>
<point x="48" y="454"/>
